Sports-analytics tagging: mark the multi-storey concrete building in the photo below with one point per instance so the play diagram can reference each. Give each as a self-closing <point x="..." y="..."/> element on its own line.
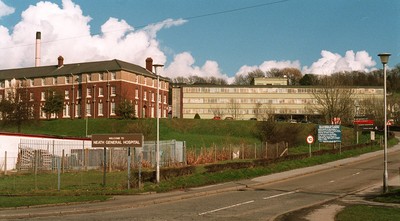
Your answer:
<point x="267" y="96"/>
<point x="91" y="89"/>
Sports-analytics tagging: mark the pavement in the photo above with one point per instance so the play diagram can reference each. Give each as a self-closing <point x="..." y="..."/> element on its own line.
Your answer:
<point x="327" y="210"/>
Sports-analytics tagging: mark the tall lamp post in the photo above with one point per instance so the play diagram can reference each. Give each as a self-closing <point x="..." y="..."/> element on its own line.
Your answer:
<point x="385" y="59"/>
<point x="158" y="123"/>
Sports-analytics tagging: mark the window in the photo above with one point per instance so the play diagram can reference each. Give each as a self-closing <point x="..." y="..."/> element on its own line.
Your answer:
<point x="1" y="97"/>
<point x="165" y="99"/>
<point x="89" y="77"/>
<point x="67" y="81"/>
<point x="89" y="92"/>
<point x="42" y="113"/>
<point x="101" y="76"/>
<point x="100" y="109"/>
<point x="78" y="93"/>
<point x="112" y="108"/>
<point x="137" y="93"/>
<point x="88" y="109"/>
<point x="43" y="81"/>
<point x="77" y="110"/>
<point x="54" y="80"/>
<point x="66" y="94"/>
<point x="31" y="96"/>
<point x="2" y="84"/>
<point x="113" y="75"/>
<point x="152" y="96"/>
<point x="145" y="96"/>
<point x="113" y="91"/>
<point x="101" y="92"/>
<point x="66" y="110"/>
<point x="42" y="96"/>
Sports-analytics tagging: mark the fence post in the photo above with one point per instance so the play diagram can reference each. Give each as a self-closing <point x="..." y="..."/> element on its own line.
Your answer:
<point x="266" y="150"/>
<point x="215" y="153"/>
<point x="63" y="159"/>
<point x="255" y="151"/>
<point x="184" y="152"/>
<point x="5" y="163"/>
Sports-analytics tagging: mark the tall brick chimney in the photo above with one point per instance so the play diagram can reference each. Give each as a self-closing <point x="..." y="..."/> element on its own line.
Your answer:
<point x="60" y="61"/>
<point x="149" y="64"/>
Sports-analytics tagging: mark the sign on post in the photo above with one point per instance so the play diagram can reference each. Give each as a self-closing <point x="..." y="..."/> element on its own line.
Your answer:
<point x="310" y="140"/>
<point x="117" y="140"/>
<point x="329" y="134"/>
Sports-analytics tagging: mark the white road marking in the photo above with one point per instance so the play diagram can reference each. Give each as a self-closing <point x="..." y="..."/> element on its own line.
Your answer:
<point x="356" y="173"/>
<point x="227" y="207"/>
<point x="282" y="194"/>
<point x="332" y="181"/>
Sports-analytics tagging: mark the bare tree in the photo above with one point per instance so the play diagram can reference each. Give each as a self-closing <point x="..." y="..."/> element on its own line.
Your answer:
<point x="217" y="111"/>
<point x="249" y="78"/>
<point x="334" y="101"/>
<point x="234" y="108"/>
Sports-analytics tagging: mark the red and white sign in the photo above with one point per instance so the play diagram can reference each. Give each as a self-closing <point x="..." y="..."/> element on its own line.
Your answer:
<point x="390" y="122"/>
<point x="336" y="121"/>
<point x="310" y="139"/>
<point x="364" y="122"/>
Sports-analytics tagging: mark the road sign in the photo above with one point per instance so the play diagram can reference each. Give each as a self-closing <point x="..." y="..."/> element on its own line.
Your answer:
<point x="310" y="139"/>
<point x="329" y="134"/>
<point x="117" y="140"/>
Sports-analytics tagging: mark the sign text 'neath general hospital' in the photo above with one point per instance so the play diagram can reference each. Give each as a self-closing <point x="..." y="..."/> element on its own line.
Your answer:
<point x="117" y="140"/>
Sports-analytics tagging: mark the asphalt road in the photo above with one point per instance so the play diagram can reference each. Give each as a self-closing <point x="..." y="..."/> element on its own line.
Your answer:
<point x="263" y="198"/>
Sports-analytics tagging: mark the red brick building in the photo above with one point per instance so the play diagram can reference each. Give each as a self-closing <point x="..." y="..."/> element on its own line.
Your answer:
<point x="90" y="89"/>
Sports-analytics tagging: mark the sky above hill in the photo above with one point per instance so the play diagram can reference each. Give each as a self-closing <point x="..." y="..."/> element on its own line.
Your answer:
<point x="220" y="38"/>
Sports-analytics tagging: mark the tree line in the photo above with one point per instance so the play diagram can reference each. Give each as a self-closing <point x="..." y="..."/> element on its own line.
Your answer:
<point x="295" y="77"/>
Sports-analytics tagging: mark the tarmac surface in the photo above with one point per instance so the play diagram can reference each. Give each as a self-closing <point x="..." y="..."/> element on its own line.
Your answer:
<point x="326" y="211"/>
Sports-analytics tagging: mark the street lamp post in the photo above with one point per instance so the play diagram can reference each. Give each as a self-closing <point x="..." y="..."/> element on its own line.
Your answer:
<point x="158" y="124"/>
<point x="384" y="59"/>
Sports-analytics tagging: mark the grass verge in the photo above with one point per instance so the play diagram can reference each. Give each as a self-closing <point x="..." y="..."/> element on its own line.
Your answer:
<point x="366" y="212"/>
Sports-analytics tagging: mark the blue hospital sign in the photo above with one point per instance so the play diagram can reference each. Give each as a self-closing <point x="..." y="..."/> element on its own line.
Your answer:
<point x="329" y="134"/>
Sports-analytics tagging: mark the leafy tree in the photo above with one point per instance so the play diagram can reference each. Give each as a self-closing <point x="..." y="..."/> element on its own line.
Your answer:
<point x="54" y="103"/>
<point x="125" y="110"/>
<point x="308" y="79"/>
<point x="16" y="108"/>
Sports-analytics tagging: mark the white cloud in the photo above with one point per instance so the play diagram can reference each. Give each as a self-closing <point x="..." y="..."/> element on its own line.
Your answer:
<point x="5" y="9"/>
<point x="184" y="65"/>
<point x="66" y="31"/>
<point x="268" y="65"/>
<point x="332" y="62"/>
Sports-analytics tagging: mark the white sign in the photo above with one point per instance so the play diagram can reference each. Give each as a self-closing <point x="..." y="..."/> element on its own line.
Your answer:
<point x="310" y="139"/>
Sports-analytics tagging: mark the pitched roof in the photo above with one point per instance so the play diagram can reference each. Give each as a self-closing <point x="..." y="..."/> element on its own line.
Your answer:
<point x="77" y="68"/>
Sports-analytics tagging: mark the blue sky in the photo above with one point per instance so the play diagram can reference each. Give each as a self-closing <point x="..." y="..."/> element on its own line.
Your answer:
<point x="220" y="38"/>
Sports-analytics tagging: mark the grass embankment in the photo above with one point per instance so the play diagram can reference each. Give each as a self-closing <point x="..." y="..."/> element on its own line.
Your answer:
<point x="196" y="133"/>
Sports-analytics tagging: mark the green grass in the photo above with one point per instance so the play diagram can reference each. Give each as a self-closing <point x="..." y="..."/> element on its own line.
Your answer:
<point x="365" y="212"/>
<point x="19" y="201"/>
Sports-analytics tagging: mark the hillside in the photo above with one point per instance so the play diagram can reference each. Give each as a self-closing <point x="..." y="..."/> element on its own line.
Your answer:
<point x="196" y="133"/>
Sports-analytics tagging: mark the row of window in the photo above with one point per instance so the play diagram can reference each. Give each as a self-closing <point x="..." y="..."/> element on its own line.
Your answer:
<point x="245" y="101"/>
<point x="269" y="90"/>
<point x="243" y="111"/>
<point x="75" y="79"/>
